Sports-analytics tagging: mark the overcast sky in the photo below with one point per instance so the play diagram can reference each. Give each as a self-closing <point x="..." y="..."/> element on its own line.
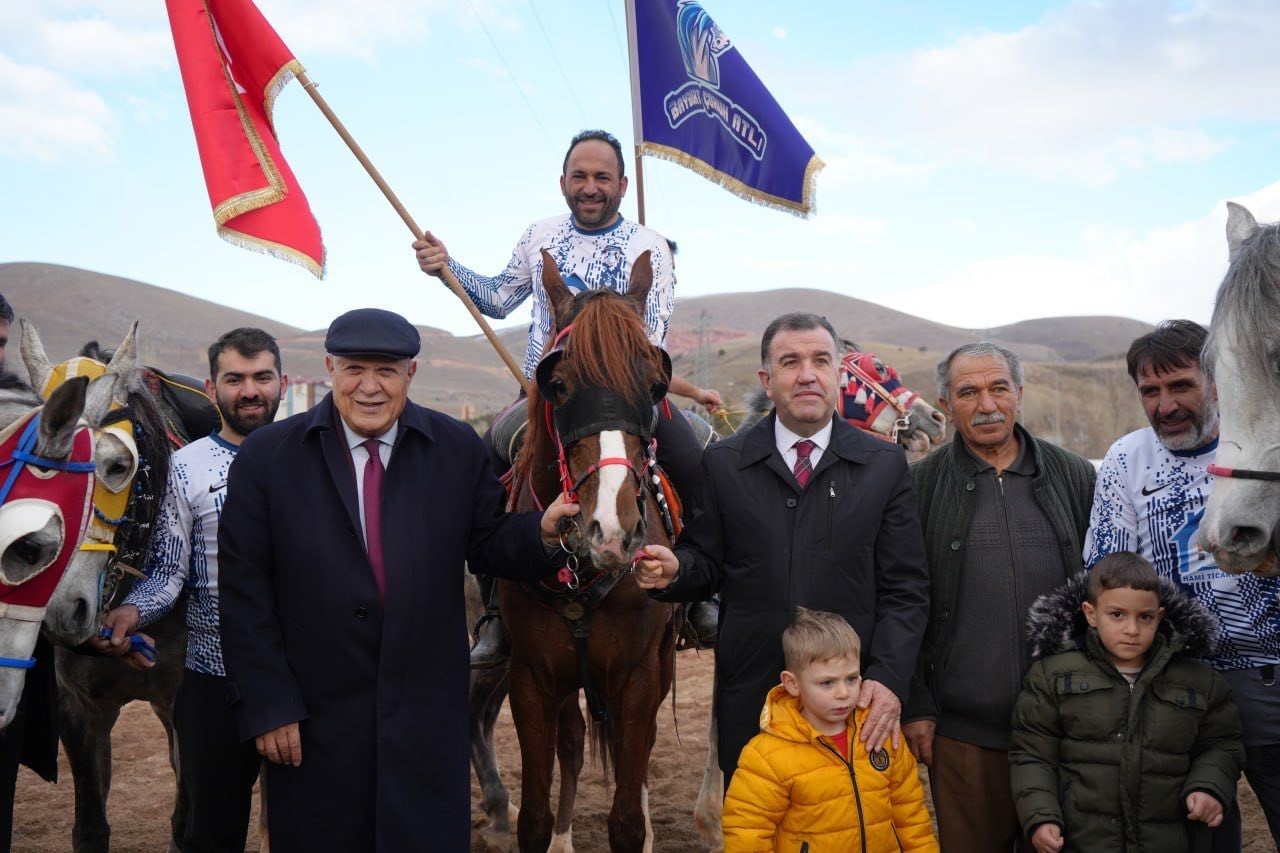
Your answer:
<point x="986" y="162"/>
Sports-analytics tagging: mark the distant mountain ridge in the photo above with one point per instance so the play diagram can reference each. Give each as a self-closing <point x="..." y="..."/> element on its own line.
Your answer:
<point x="176" y="329"/>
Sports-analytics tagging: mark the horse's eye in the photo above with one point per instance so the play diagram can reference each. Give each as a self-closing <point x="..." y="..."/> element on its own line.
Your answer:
<point x="117" y="469"/>
<point x="558" y="386"/>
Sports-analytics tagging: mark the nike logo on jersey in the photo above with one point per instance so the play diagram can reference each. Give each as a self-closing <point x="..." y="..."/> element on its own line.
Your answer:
<point x="1146" y="493"/>
<point x="217" y="487"/>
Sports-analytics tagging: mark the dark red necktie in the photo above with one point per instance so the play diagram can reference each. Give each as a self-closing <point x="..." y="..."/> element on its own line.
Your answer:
<point x="803" y="469"/>
<point x="373" y="515"/>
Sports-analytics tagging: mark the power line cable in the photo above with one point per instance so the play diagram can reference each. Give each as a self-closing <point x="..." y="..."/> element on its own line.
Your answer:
<point x="514" y="80"/>
<point x="622" y="48"/>
<point x="556" y="56"/>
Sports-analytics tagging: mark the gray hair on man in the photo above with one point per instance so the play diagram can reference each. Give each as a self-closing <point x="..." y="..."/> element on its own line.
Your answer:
<point x="982" y="348"/>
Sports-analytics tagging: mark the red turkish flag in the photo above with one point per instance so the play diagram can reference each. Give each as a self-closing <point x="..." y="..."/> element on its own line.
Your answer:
<point x="233" y="66"/>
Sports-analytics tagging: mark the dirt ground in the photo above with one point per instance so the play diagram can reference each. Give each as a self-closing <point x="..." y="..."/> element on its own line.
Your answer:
<point x="142" y="788"/>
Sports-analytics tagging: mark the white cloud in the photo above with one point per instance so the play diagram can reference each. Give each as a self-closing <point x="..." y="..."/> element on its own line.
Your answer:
<point x="780" y="32"/>
<point x="838" y="224"/>
<point x="1164" y="273"/>
<point x="1089" y="90"/>
<point x="44" y="115"/>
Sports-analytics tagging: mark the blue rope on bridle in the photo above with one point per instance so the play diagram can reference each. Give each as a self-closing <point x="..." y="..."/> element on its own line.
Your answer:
<point x="23" y="454"/>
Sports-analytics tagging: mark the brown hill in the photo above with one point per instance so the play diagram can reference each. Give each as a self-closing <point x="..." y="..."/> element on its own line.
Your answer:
<point x="1071" y="359"/>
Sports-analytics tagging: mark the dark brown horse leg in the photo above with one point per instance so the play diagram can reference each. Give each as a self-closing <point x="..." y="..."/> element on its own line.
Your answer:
<point x="571" y="729"/>
<point x="634" y="733"/>
<point x="86" y="739"/>
<point x="178" y="820"/>
<point x="535" y="714"/>
<point x="487" y="692"/>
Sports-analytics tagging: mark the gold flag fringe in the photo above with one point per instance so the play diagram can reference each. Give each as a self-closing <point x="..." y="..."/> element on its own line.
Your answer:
<point x="804" y="209"/>
<point x="277" y="250"/>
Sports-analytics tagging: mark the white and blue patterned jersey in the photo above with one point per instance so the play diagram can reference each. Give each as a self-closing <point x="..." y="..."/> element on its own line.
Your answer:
<point x="1150" y="500"/>
<point x="587" y="260"/>
<point x="184" y="549"/>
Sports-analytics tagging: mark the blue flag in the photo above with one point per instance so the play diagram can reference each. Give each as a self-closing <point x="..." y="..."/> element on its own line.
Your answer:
<point x="699" y="104"/>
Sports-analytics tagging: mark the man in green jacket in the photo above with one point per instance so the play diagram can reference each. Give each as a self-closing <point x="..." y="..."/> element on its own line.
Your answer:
<point x="1121" y="741"/>
<point x="1004" y="517"/>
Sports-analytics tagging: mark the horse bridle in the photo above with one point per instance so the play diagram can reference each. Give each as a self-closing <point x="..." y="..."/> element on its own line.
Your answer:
<point x="20" y="457"/>
<point x="903" y="421"/>
<point x="608" y="410"/>
<point x="1243" y="473"/>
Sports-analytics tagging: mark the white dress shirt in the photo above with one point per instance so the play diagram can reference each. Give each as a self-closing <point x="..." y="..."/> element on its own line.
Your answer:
<point x="360" y="458"/>
<point x="786" y="440"/>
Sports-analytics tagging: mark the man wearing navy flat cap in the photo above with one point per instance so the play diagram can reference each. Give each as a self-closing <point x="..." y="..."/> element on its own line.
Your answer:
<point x="343" y="625"/>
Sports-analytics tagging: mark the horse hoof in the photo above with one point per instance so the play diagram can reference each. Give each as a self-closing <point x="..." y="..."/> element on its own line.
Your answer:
<point x="562" y="843"/>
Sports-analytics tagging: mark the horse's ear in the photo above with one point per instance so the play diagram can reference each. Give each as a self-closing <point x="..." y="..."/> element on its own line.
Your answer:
<point x="558" y="293"/>
<point x="122" y="366"/>
<point x="33" y="356"/>
<point x="640" y="282"/>
<point x="59" y="418"/>
<point x="1240" y="227"/>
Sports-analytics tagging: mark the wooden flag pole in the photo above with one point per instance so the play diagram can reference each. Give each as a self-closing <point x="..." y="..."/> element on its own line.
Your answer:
<point x="637" y="117"/>
<point x="449" y="278"/>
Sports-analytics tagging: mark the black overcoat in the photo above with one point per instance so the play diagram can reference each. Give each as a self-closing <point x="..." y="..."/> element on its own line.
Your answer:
<point x="381" y="691"/>
<point x="849" y="543"/>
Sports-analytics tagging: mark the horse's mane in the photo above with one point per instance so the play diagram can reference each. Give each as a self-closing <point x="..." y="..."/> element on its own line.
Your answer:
<point x="1247" y="310"/>
<point x="12" y="382"/>
<point x="608" y="348"/>
<point x="134" y="538"/>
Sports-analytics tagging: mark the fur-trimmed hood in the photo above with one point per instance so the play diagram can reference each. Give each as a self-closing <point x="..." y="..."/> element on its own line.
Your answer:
<point x="1055" y="623"/>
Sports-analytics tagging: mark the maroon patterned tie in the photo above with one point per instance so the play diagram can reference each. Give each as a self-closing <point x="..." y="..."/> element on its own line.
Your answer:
<point x="373" y="515"/>
<point x="803" y="469"/>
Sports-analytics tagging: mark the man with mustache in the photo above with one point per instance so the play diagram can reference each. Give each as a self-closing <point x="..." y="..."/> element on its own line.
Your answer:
<point x="218" y="769"/>
<point x="593" y="247"/>
<point x="1004" y="516"/>
<point x="1152" y="490"/>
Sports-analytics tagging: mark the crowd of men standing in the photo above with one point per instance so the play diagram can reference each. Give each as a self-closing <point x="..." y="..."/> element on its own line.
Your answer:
<point x="322" y="565"/>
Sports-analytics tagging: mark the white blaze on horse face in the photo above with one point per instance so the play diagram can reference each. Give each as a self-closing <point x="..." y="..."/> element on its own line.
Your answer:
<point x="612" y="479"/>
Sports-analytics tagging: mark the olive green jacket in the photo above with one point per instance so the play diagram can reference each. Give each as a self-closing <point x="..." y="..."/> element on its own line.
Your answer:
<point x="1113" y="766"/>
<point x="945" y="489"/>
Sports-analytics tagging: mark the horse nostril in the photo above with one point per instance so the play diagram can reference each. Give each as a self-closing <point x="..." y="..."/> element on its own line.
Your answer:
<point x="595" y="533"/>
<point x="81" y="615"/>
<point x="1246" y="540"/>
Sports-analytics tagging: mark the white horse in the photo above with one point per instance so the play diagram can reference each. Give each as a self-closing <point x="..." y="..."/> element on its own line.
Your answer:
<point x="1242" y="520"/>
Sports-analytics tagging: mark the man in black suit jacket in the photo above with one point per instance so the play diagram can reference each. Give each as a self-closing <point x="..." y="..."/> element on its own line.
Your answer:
<point x="840" y="532"/>
<point x="347" y="650"/>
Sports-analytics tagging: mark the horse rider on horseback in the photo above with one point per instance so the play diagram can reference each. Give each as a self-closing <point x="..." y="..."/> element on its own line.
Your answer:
<point x="594" y="247"/>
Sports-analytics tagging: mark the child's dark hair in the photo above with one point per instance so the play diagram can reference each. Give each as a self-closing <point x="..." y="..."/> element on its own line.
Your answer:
<point x="1122" y="570"/>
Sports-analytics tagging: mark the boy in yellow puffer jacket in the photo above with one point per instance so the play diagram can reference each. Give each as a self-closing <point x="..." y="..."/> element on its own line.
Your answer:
<point x="806" y="783"/>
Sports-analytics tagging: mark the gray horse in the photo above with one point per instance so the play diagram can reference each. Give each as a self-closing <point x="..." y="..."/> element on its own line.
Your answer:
<point x="1242" y="519"/>
<point x="134" y="438"/>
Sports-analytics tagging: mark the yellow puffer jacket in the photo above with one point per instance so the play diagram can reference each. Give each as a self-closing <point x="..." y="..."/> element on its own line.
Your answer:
<point x="793" y="791"/>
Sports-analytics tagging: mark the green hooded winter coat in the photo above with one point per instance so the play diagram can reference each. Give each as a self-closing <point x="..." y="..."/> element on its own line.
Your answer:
<point x="1113" y="766"/>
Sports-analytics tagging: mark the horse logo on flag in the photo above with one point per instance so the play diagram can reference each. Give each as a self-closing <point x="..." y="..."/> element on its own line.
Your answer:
<point x="701" y="44"/>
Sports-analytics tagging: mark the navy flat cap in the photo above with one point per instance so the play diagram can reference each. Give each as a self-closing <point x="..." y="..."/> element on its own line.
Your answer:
<point x="372" y="332"/>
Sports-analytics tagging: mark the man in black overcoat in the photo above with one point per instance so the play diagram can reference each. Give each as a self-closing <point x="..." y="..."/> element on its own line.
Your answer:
<point x="347" y="649"/>
<point x="802" y="510"/>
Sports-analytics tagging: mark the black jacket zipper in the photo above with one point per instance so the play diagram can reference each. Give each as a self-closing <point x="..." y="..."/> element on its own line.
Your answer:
<point x="831" y="509"/>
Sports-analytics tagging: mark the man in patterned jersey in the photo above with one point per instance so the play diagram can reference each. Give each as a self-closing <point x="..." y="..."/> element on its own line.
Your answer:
<point x="593" y="247"/>
<point x="1150" y="498"/>
<point x="217" y="768"/>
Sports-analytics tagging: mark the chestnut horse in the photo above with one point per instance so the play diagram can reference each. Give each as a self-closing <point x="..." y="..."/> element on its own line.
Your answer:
<point x="591" y="628"/>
